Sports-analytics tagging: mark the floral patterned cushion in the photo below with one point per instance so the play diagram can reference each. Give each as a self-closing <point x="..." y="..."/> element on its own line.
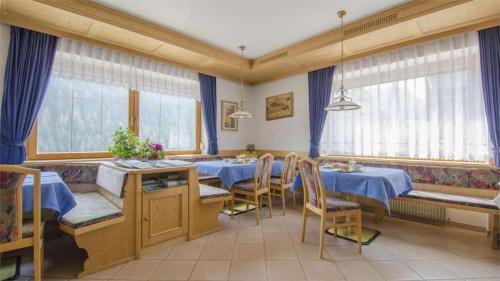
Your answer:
<point x="91" y="208"/>
<point x="289" y="168"/>
<point x="28" y="228"/>
<point x="246" y="185"/>
<point x="8" y="216"/>
<point x="452" y="199"/>
<point x="483" y="178"/>
<point x="334" y="204"/>
<point x="73" y="173"/>
<point x="264" y="169"/>
<point x="312" y="183"/>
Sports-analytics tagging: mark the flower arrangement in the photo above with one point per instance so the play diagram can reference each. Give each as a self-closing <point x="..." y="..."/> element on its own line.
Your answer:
<point x="125" y="145"/>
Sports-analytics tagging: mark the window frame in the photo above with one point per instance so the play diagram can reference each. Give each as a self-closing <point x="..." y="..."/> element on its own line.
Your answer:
<point x="133" y="124"/>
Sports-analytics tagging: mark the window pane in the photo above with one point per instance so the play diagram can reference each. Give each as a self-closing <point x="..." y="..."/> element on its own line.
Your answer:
<point x="168" y="119"/>
<point x="80" y="116"/>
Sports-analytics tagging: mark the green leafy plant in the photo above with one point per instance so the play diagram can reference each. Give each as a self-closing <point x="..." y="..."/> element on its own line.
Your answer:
<point x="126" y="145"/>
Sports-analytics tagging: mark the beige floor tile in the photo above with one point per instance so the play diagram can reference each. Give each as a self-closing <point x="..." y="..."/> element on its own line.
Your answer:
<point x="249" y="252"/>
<point x="490" y="265"/>
<point x="250" y="229"/>
<point x="395" y="270"/>
<point x="211" y="270"/>
<point x="322" y="271"/>
<point x="311" y="239"/>
<point x="465" y="269"/>
<point x="406" y="252"/>
<point x="310" y="253"/>
<point x="137" y="270"/>
<point x="280" y="252"/>
<point x="430" y="270"/>
<point x="185" y="252"/>
<point x="217" y="252"/>
<point x="174" y="270"/>
<point x="105" y="274"/>
<point x="277" y="238"/>
<point x="158" y="255"/>
<point x="348" y="252"/>
<point x="358" y="271"/>
<point x="285" y="271"/>
<point x="374" y="252"/>
<point x="248" y="270"/>
<point x="250" y="238"/>
<point x="274" y="227"/>
<point x="223" y="238"/>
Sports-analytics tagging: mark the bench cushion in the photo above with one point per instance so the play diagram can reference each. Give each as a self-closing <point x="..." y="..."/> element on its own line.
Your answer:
<point x="91" y="208"/>
<point x="207" y="191"/>
<point x="452" y="199"/>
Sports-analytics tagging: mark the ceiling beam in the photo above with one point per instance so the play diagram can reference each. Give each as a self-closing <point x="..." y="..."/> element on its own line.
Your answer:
<point x="116" y="18"/>
<point x="401" y="13"/>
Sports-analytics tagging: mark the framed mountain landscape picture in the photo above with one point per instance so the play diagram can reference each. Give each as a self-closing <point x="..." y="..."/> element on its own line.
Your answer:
<point x="280" y="106"/>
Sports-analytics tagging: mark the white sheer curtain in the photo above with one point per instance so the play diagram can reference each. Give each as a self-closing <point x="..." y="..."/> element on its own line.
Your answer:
<point x="91" y="63"/>
<point x="423" y="101"/>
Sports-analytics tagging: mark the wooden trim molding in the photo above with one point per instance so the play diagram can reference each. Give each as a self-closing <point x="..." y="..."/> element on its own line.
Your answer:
<point x="413" y="22"/>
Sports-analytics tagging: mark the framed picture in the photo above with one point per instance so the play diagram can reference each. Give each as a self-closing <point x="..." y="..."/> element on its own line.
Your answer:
<point x="228" y="123"/>
<point x="280" y="106"/>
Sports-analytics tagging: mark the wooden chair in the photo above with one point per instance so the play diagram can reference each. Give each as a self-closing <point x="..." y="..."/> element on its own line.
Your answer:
<point x="316" y="202"/>
<point x="14" y="232"/>
<point x="258" y="187"/>
<point x="279" y="185"/>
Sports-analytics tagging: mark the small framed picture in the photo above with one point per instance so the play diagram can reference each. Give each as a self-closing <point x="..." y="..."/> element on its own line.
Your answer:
<point x="280" y="106"/>
<point x="228" y="123"/>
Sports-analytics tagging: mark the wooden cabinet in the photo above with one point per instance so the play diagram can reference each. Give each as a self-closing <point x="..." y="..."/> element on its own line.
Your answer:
<point x="164" y="214"/>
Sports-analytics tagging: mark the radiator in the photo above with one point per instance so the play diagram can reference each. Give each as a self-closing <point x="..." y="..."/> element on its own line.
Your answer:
<point x="407" y="209"/>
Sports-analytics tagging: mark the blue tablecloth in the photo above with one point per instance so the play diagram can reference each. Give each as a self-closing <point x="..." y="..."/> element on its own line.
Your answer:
<point x="56" y="195"/>
<point x="230" y="174"/>
<point x="380" y="184"/>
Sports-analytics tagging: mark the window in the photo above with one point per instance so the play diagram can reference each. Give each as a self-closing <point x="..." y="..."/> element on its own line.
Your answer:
<point x="421" y="102"/>
<point x="80" y="116"/>
<point x="168" y="119"/>
<point x="90" y="96"/>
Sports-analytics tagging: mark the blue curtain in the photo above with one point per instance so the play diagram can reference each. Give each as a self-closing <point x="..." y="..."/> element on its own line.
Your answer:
<point x="489" y="49"/>
<point x="320" y="88"/>
<point x="208" y="87"/>
<point x="27" y="74"/>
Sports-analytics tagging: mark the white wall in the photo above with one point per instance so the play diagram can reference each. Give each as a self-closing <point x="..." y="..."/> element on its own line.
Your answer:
<point x="4" y="50"/>
<point x="228" y="140"/>
<point x="291" y="134"/>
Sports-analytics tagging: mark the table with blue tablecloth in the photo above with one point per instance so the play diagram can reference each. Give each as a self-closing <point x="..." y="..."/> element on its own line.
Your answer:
<point x="230" y="173"/>
<point x="381" y="184"/>
<point x="56" y="195"/>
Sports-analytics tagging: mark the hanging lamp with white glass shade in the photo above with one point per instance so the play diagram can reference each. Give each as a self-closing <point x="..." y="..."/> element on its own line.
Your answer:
<point x="241" y="113"/>
<point x="342" y="102"/>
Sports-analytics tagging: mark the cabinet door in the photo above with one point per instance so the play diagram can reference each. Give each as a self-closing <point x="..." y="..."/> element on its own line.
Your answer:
<point x="164" y="215"/>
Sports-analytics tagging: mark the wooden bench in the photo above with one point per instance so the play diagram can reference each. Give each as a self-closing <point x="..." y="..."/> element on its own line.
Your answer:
<point x="463" y="199"/>
<point x="101" y="222"/>
<point x="206" y="210"/>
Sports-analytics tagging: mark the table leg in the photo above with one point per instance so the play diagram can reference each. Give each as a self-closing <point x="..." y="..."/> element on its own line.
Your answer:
<point x="379" y="212"/>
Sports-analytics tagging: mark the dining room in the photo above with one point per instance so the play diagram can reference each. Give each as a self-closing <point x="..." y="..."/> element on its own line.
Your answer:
<point x="249" y="140"/>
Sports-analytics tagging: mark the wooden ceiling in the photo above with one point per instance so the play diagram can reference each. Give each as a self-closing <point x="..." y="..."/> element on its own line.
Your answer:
<point x="414" y="22"/>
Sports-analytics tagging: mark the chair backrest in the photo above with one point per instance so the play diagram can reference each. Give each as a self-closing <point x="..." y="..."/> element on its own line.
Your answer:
<point x="11" y="208"/>
<point x="289" y="168"/>
<point x="314" y="191"/>
<point x="263" y="171"/>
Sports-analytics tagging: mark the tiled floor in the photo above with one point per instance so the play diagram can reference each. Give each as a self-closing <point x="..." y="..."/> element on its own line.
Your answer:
<point x="273" y="251"/>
